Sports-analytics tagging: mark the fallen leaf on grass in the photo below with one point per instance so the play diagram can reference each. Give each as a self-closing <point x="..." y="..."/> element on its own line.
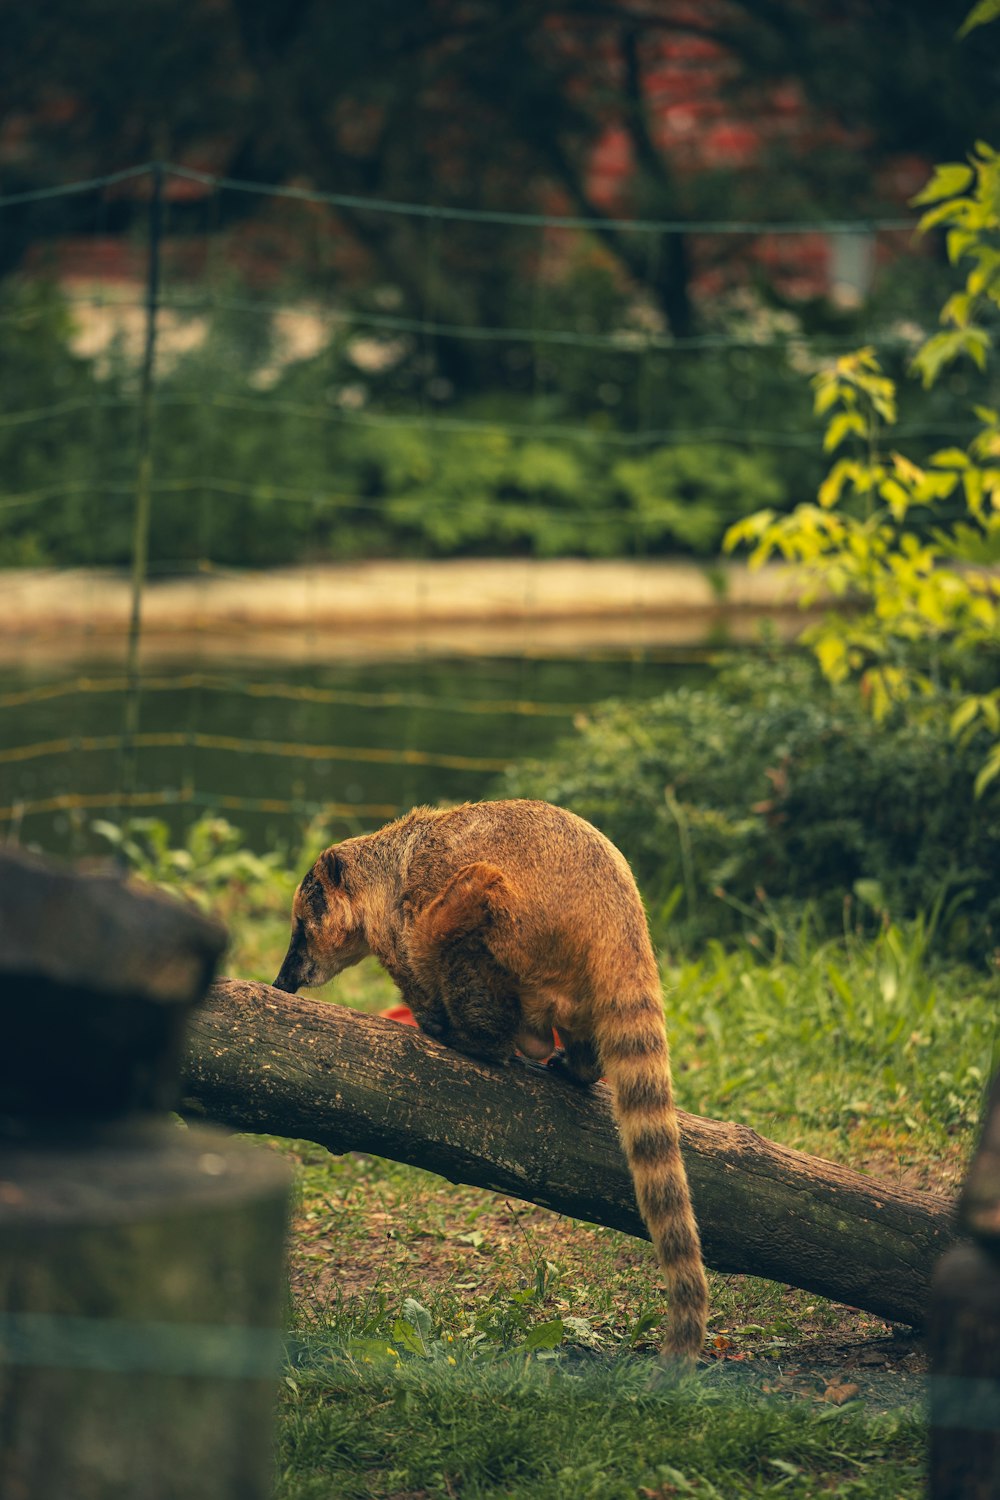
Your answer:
<point x="839" y="1393"/>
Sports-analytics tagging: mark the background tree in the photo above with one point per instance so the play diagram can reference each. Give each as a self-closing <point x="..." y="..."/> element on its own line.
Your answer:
<point x="495" y="105"/>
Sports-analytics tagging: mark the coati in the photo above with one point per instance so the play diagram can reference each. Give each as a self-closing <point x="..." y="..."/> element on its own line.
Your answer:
<point x="499" y="921"/>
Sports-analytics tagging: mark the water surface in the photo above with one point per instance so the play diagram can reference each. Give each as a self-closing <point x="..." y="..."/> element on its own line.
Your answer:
<point x="271" y="745"/>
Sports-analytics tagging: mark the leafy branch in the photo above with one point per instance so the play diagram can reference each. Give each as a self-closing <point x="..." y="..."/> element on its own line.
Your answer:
<point x="907" y="549"/>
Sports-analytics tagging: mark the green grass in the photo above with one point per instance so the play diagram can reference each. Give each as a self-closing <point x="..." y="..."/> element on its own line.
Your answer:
<point x="817" y="1042"/>
<point x="449" y="1342"/>
<point x="507" y="1429"/>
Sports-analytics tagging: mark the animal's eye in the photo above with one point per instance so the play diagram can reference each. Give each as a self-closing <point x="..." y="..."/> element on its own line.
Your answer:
<point x="312" y="897"/>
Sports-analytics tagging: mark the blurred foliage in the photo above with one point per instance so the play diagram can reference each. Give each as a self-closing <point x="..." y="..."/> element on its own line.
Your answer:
<point x="252" y="476"/>
<point x="907" y="551"/>
<point x="211" y="860"/>
<point x="365" y="448"/>
<point x="740" y="804"/>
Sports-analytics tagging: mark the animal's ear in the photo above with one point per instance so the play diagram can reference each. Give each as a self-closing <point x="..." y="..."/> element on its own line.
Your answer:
<point x="333" y="867"/>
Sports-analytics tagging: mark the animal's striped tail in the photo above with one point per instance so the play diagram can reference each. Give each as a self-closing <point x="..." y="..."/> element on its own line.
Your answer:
<point x="632" y="1045"/>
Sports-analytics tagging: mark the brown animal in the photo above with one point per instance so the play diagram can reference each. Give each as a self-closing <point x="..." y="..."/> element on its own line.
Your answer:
<point x="499" y="921"/>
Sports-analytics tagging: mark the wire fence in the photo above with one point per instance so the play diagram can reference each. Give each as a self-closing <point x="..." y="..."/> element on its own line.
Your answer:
<point x="204" y="377"/>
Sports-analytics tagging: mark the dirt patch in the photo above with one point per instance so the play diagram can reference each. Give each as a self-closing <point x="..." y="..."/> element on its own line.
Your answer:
<point x="879" y="1374"/>
<point x="476" y="1245"/>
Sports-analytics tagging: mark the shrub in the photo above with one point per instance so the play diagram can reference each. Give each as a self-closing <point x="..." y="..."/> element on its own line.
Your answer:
<point x="686" y="495"/>
<point x="259" y="461"/>
<point x="742" y="802"/>
<point x="255" y="477"/>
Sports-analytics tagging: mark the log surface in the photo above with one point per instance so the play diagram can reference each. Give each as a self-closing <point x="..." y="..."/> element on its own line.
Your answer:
<point x="263" y="1061"/>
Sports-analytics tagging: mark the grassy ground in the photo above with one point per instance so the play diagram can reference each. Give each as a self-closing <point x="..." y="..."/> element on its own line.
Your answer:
<point x="449" y="1342"/>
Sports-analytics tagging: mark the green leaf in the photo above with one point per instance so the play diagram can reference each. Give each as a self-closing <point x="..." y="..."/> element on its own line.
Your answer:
<point x="828" y="392"/>
<point x="957" y="309"/>
<point x="944" y="348"/>
<point x="950" y="458"/>
<point x="418" y="1316"/>
<point x="545" y="1336"/>
<point x="832" y="486"/>
<point x="404" y="1334"/>
<point x="109" y="831"/>
<point x="977" y="343"/>
<point x="831" y="653"/>
<point x="937" y="485"/>
<point x="972" y="479"/>
<point x="643" y="1323"/>
<point x="989" y="772"/>
<point x="954" y="210"/>
<point x="983" y="278"/>
<point x="871" y="893"/>
<point x="898" y="498"/>
<point x="950" y="179"/>
<point x="844" y="423"/>
<point x="965" y="713"/>
<point x="750" y="529"/>
<point x="959" y="242"/>
<point x="907" y="470"/>
<point x="980" y="15"/>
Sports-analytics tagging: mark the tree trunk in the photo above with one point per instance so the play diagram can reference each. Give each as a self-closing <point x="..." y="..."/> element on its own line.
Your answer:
<point x="264" y="1061"/>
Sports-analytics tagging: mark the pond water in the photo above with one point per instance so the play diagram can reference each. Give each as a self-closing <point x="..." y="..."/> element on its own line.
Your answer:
<point x="270" y="746"/>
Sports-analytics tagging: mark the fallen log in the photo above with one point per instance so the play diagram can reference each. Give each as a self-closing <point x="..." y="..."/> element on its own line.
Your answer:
<point x="263" y="1061"/>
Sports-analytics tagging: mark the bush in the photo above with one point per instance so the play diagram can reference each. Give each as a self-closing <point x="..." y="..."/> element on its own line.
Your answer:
<point x="684" y="495"/>
<point x="263" y="456"/>
<point x="259" y="461"/>
<point x="66" y="442"/>
<point x="254" y="477"/>
<point x="740" y="803"/>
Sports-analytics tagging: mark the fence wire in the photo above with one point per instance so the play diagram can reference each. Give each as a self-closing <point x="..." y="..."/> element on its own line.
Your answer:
<point x="227" y="388"/>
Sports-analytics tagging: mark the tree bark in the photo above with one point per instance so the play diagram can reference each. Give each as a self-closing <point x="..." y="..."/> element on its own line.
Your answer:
<point x="264" y="1061"/>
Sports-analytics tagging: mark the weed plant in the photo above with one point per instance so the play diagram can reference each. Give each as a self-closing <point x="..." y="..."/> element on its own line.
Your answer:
<point x="815" y="1039"/>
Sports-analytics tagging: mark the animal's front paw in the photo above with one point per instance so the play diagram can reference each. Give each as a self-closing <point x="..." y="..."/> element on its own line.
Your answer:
<point x="435" y="1026"/>
<point x="561" y="1064"/>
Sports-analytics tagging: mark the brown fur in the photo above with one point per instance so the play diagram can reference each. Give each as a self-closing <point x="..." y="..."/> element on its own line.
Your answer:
<point x="499" y="921"/>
